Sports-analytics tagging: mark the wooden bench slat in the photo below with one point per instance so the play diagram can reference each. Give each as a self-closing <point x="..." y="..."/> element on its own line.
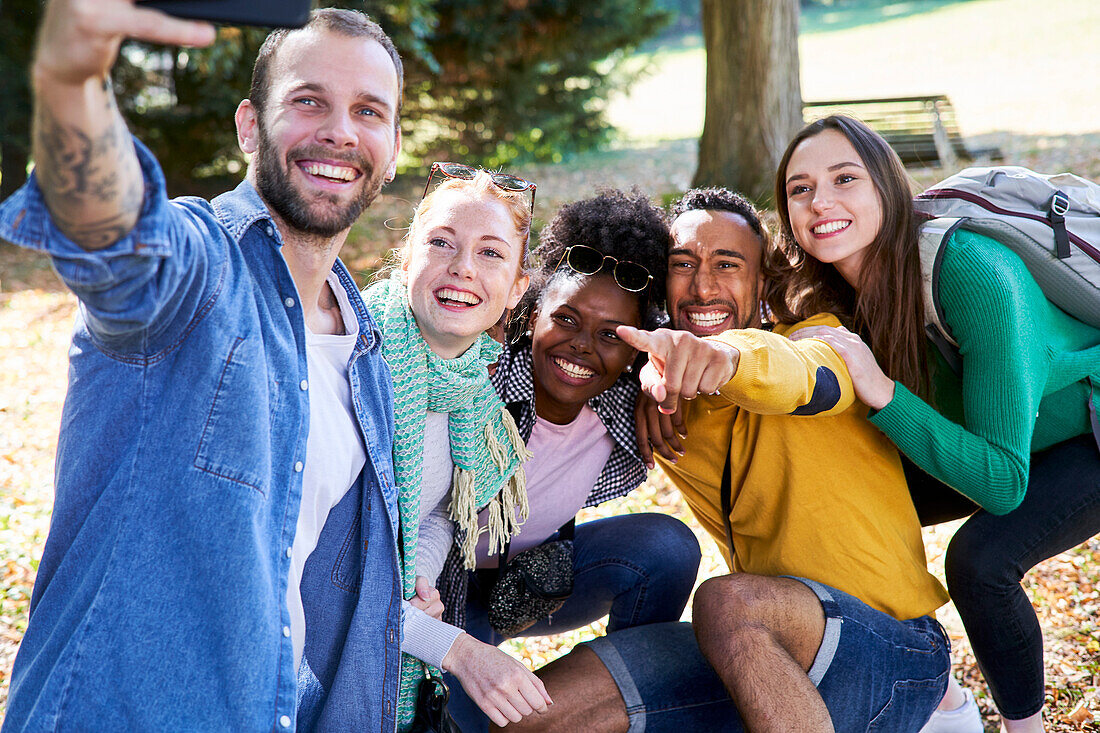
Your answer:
<point x="913" y="126"/>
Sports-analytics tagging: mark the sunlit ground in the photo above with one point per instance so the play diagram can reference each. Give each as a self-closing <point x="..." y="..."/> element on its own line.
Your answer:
<point x="1017" y="79"/>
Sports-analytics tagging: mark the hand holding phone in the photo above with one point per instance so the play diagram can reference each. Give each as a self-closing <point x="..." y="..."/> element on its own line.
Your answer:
<point x="79" y="39"/>
<point x="269" y="13"/>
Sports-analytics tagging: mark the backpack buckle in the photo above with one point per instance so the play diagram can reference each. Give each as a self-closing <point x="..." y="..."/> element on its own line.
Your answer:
<point x="1059" y="204"/>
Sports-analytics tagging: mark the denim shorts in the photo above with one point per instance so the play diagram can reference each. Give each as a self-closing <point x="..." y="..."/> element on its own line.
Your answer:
<point x="874" y="673"/>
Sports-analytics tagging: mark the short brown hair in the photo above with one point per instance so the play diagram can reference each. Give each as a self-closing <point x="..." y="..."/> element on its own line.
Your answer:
<point x="351" y="23"/>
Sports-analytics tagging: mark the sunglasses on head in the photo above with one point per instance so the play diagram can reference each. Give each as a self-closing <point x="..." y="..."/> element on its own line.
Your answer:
<point x="629" y="276"/>
<point x="465" y="172"/>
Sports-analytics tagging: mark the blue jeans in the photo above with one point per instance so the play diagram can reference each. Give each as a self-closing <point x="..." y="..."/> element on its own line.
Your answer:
<point x="874" y="673"/>
<point x="634" y="568"/>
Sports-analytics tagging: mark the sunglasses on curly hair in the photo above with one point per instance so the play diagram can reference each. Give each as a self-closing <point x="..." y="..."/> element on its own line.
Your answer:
<point x="629" y="276"/>
<point x="505" y="181"/>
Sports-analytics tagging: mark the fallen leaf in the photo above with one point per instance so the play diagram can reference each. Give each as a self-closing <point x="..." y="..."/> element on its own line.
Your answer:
<point x="1080" y="715"/>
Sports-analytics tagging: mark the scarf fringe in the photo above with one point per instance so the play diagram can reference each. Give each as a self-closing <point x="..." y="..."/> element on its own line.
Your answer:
<point x="506" y="516"/>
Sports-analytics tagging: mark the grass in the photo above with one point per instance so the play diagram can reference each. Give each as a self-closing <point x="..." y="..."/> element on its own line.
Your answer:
<point x="1006" y="67"/>
<point x="1016" y="81"/>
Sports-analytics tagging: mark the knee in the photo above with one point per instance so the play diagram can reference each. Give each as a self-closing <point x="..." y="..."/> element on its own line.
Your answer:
<point x="674" y="546"/>
<point x="662" y="547"/>
<point x="727" y="602"/>
<point x="976" y="560"/>
<point x="727" y="613"/>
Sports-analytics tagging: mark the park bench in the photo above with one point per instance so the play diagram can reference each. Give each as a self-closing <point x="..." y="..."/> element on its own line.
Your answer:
<point x="922" y="130"/>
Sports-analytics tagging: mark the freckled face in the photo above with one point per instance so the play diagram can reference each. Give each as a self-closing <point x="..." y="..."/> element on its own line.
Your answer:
<point x="835" y="209"/>
<point x="463" y="265"/>
<point x="714" y="275"/>
<point x="575" y="350"/>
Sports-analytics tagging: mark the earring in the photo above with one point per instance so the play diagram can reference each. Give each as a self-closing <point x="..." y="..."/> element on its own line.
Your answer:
<point x="528" y="333"/>
<point x="629" y="368"/>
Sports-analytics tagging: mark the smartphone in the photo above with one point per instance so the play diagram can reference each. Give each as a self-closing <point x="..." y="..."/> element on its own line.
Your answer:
<point x="266" y="13"/>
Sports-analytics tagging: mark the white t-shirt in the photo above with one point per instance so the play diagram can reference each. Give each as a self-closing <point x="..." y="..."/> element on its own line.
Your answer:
<point x="566" y="461"/>
<point x="424" y="637"/>
<point x="335" y="454"/>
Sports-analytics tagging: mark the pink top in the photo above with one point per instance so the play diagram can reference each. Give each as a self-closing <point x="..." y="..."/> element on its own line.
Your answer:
<point x="567" y="461"/>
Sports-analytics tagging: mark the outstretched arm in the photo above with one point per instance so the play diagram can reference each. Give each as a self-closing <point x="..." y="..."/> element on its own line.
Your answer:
<point x="758" y="370"/>
<point x="84" y="160"/>
<point x="680" y="364"/>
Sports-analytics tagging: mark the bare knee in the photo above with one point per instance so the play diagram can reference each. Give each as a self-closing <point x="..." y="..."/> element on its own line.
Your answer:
<point x="733" y="614"/>
<point x="729" y="600"/>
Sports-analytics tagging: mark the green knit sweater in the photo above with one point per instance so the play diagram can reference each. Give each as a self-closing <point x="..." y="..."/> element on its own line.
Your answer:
<point x="1024" y="386"/>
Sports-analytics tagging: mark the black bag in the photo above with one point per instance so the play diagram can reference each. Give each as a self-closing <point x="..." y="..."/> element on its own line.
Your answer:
<point x="533" y="584"/>
<point x="431" y="708"/>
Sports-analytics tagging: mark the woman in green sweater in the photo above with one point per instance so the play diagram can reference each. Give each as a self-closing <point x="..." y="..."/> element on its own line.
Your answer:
<point x="1012" y="432"/>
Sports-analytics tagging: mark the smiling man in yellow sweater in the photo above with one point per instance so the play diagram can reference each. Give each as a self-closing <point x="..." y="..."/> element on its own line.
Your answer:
<point x="826" y="622"/>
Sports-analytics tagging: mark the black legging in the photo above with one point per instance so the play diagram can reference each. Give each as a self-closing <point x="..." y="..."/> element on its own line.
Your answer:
<point x="935" y="501"/>
<point x="990" y="554"/>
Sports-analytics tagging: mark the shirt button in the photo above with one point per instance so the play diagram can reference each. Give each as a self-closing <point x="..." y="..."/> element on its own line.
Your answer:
<point x="389" y="634"/>
<point x="285" y="721"/>
<point x="304" y="384"/>
<point x="298" y="467"/>
<point x="289" y="551"/>
<point x="289" y="302"/>
<point x="270" y="230"/>
<point x="286" y="632"/>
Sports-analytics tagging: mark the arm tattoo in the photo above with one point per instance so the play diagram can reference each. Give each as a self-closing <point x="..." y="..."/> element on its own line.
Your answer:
<point x="91" y="183"/>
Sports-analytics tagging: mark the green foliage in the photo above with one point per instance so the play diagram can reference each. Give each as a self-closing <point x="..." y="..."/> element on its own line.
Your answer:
<point x="485" y="82"/>
<point x="18" y="20"/>
<point x="180" y="103"/>
<point x="520" y="79"/>
<point x="687" y="17"/>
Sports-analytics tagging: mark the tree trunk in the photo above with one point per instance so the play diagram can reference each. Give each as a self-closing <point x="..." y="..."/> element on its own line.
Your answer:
<point x="754" y="100"/>
<point x="13" y="168"/>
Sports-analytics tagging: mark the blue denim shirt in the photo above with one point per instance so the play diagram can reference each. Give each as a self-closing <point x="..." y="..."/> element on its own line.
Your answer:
<point x="160" y="598"/>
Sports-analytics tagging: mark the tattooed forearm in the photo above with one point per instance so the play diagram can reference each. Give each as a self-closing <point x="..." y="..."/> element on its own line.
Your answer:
<point x="94" y="234"/>
<point x="88" y="174"/>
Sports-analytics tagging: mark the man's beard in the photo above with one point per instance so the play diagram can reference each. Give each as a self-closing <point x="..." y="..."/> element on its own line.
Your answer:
<point x="326" y="215"/>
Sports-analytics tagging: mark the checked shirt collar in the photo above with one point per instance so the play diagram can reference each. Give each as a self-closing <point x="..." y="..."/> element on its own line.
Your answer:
<point x="624" y="470"/>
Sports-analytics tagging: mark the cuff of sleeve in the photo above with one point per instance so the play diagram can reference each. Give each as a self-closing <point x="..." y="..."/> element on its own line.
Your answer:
<point x="896" y="417"/>
<point x="25" y="220"/>
<point x="426" y="638"/>
<point x="748" y="368"/>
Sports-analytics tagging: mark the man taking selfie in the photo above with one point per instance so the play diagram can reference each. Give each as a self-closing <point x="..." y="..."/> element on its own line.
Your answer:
<point x="168" y="597"/>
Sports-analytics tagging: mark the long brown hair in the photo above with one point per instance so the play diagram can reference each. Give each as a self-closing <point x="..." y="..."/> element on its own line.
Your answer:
<point x="887" y="310"/>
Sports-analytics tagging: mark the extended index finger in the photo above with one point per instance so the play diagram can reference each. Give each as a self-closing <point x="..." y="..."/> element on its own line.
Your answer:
<point x="651" y="342"/>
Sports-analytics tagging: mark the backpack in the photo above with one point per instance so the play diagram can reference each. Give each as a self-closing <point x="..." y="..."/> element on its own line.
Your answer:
<point x="1051" y="221"/>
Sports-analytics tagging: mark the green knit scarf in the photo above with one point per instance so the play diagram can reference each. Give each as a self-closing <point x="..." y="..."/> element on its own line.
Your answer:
<point x="486" y="447"/>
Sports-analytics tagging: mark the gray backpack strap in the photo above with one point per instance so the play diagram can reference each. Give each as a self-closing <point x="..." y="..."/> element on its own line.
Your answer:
<point x="933" y="236"/>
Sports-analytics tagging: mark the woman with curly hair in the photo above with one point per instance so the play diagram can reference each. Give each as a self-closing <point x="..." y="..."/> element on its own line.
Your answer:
<point x="568" y="380"/>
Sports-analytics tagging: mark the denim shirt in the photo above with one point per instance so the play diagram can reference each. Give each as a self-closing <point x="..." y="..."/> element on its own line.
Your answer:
<point x="160" y="602"/>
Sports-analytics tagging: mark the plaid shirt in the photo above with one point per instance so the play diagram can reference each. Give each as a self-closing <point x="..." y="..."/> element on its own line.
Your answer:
<point x="624" y="470"/>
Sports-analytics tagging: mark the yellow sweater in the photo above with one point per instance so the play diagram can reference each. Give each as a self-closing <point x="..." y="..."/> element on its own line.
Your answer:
<point x="819" y="494"/>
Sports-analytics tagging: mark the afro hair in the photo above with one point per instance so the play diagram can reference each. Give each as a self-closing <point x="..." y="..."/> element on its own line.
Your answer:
<point x="626" y="226"/>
